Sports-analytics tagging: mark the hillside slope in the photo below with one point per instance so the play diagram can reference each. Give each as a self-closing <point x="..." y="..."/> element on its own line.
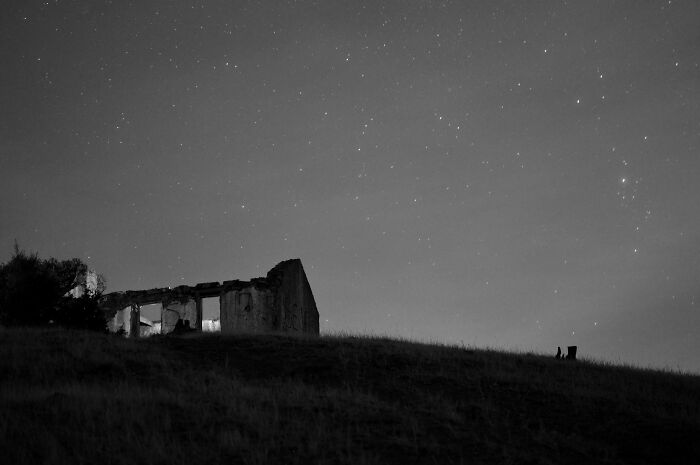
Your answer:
<point x="75" y="397"/>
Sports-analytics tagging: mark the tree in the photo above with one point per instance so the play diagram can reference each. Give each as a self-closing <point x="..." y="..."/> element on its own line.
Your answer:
<point x="36" y="292"/>
<point x="81" y="312"/>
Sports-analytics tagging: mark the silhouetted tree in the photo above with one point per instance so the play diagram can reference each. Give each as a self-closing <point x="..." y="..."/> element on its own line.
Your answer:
<point x="35" y="292"/>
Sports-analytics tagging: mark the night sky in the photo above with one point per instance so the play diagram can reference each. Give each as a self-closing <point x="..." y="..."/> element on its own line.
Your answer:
<point x="519" y="175"/>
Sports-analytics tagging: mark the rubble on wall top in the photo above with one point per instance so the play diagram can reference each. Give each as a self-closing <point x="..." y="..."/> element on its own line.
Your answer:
<point x="207" y="285"/>
<point x="207" y="289"/>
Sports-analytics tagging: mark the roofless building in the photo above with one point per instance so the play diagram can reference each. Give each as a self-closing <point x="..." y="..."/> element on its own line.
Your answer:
<point x="281" y="301"/>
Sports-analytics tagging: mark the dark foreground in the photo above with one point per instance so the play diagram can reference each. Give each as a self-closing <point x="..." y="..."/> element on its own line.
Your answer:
<point x="73" y="397"/>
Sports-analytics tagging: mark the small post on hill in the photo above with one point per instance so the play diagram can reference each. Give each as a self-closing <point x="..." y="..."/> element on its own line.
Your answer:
<point x="571" y="354"/>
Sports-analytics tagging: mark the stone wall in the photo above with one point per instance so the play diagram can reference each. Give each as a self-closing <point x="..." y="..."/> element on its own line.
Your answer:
<point x="282" y="301"/>
<point x="121" y="321"/>
<point x="248" y="309"/>
<point x="293" y="298"/>
<point x="177" y="310"/>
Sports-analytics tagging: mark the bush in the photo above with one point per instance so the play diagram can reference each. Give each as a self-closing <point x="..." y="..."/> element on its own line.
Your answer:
<point x="80" y="312"/>
<point x="36" y="292"/>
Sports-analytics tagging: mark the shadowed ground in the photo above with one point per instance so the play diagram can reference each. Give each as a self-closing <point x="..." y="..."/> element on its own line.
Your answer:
<point x="74" y="397"/>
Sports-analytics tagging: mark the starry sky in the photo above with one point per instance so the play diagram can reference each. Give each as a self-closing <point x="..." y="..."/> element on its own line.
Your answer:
<point x="506" y="174"/>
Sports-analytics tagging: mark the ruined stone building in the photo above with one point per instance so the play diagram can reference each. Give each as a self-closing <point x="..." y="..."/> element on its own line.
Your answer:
<point x="281" y="301"/>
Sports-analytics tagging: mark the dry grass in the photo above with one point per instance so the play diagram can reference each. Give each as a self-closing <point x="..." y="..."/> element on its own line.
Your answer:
<point x="75" y="397"/>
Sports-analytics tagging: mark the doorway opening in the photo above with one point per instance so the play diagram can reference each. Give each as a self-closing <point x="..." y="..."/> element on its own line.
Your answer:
<point x="150" y="323"/>
<point x="211" y="315"/>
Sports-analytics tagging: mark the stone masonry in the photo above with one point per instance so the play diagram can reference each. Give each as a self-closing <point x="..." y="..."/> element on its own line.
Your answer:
<point x="281" y="301"/>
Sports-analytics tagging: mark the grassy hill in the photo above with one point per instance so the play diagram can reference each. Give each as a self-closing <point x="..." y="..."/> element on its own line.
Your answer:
<point x="75" y="397"/>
